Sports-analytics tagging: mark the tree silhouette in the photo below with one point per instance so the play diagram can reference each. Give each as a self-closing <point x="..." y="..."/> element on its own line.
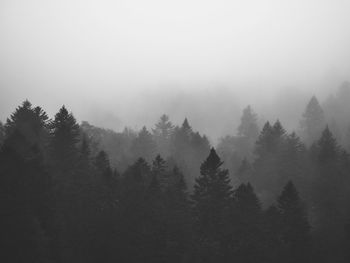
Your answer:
<point x="313" y="121"/>
<point x="212" y="198"/>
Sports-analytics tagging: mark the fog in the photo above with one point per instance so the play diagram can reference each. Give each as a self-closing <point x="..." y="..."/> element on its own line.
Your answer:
<point x="117" y="63"/>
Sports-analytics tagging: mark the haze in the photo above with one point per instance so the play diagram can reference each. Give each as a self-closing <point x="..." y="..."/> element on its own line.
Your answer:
<point x="117" y="63"/>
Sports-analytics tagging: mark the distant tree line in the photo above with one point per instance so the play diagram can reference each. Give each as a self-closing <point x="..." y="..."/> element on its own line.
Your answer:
<point x="78" y="193"/>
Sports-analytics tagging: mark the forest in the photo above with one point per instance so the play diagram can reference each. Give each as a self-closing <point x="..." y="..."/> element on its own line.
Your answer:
<point x="74" y="192"/>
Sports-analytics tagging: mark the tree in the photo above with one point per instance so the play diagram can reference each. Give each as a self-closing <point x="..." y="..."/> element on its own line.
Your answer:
<point x="248" y="127"/>
<point x="162" y="133"/>
<point x="64" y="138"/>
<point x="247" y="221"/>
<point x="328" y="149"/>
<point x="26" y="203"/>
<point x="102" y="163"/>
<point x="244" y="171"/>
<point x="31" y="123"/>
<point x="72" y="187"/>
<point x="269" y="165"/>
<point x="212" y="198"/>
<point x="295" y="225"/>
<point x="313" y="122"/>
<point x="144" y="145"/>
<point x="264" y="142"/>
<point x="327" y="194"/>
<point x="178" y="218"/>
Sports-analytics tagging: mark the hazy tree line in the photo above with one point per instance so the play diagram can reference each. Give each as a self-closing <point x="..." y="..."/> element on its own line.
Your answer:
<point x="78" y="193"/>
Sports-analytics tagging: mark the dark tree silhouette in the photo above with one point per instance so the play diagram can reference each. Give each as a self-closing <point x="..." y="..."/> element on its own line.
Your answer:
<point x="212" y="198"/>
<point x="295" y="225"/>
<point x="313" y="121"/>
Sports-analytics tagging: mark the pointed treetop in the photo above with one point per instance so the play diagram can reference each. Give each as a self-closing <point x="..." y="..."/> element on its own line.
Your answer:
<point x="267" y="127"/>
<point x="328" y="146"/>
<point x="212" y="162"/>
<point x="278" y="129"/>
<point x="248" y="126"/>
<point x="186" y="125"/>
<point x="158" y="165"/>
<point x="289" y="197"/>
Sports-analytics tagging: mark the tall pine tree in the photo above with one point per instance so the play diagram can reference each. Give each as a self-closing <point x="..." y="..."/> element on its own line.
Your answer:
<point x="212" y="198"/>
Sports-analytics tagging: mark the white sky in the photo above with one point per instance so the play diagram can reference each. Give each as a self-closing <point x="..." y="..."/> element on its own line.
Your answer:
<point x="118" y="60"/>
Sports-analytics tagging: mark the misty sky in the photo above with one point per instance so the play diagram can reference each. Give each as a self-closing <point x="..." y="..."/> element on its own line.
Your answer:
<point x="117" y="63"/>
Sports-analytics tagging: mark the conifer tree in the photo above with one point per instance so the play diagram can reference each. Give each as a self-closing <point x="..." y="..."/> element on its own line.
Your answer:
<point x="32" y="124"/>
<point x="269" y="171"/>
<point x="244" y="171"/>
<point x="295" y="225"/>
<point x="212" y="198"/>
<point x="264" y="141"/>
<point x="64" y="138"/>
<point x="162" y="133"/>
<point x="144" y="145"/>
<point x="313" y="122"/>
<point x="178" y="218"/>
<point x="247" y="221"/>
<point x="248" y="126"/>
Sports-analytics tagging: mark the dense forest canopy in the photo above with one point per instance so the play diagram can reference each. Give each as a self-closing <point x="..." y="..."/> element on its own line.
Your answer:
<point x="75" y="192"/>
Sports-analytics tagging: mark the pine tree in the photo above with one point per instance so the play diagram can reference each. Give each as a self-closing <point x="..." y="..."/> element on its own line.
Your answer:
<point x="265" y="140"/>
<point x="102" y="163"/>
<point x="131" y="239"/>
<point x="159" y="167"/>
<point x="327" y="194"/>
<point x="26" y="200"/>
<point x="64" y="138"/>
<point x="186" y="128"/>
<point x="178" y="218"/>
<point x="162" y="133"/>
<point x="71" y="186"/>
<point x="212" y="199"/>
<point x="295" y="225"/>
<point x="248" y="126"/>
<point x="328" y="149"/>
<point x="313" y="122"/>
<point x="247" y="221"/>
<point x="244" y="171"/>
<point x="269" y="165"/>
<point x="144" y="145"/>
<point x="32" y="124"/>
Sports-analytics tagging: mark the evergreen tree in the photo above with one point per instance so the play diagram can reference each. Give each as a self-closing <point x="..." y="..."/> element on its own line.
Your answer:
<point x="31" y="123"/>
<point x="178" y="219"/>
<point x="244" y="171"/>
<point x="26" y="203"/>
<point x="269" y="166"/>
<point x="131" y="244"/>
<point x="159" y="171"/>
<point x="71" y="187"/>
<point x="64" y="138"/>
<point x="144" y="145"/>
<point x="248" y="127"/>
<point x="212" y="199"/>
<point x="162" y="133"/>
<point x="327" y="195"/>
<point x="264" y="142"/>
<point x="102" y="163"/>
<point x="247" y="220"/>
<point x="328" y="149"/>
<point x="295" y="225"/>
<point x="313" y="122"/>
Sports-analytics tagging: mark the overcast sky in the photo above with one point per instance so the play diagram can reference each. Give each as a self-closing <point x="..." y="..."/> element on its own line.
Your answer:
<point x="120" y="62"/>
